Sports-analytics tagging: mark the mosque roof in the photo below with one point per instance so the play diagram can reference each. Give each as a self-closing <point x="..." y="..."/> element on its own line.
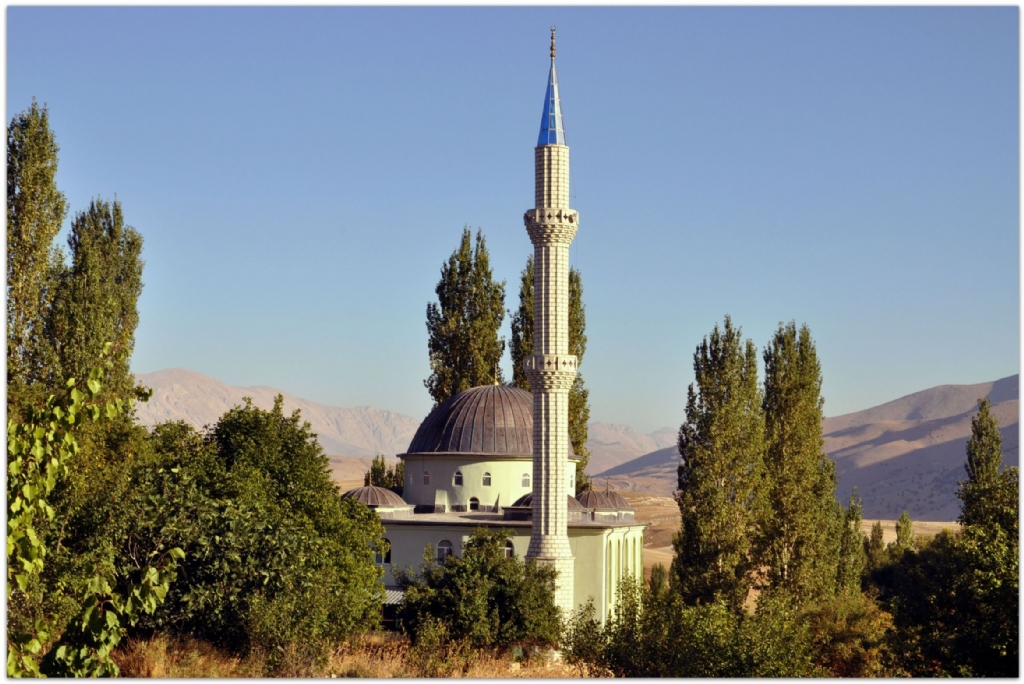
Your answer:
<point x="375" y="496"/>
<point x="604" y="501"/>
<point x="526" y="500"/>
<point x="491" y="419"/>
<point x="551" y="130"/>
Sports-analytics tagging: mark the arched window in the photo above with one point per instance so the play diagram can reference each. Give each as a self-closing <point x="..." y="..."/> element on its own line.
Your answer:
<point x="572" y="482"/>
<point x="487" y="479"/>
<point x="426" y="477"/>
<point x="526" y="479"/>
<point x="510" y="550"/>
<point x="458" y="477"/>
<point x="444" y="549"/>
<point x="384" y="559"/>
<point x="474" y="504"/>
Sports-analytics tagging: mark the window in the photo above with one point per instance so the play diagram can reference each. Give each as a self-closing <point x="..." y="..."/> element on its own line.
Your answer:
<point x="510" y="550"/>
<point x="526" y="479"/>
<point x="474" y="504"/>
<point x="458" y="477"/>
<point x="384" y="559"/>
<point x="444" y="549"/>
<point x="487" y="479"/>
<point x="426" y="477"/>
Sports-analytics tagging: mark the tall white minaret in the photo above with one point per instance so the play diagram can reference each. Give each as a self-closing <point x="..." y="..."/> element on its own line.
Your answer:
<point x="551" y="370"/>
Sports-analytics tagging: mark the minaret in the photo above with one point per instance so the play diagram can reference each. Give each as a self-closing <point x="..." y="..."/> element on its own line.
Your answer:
<point x="551" y="370"/>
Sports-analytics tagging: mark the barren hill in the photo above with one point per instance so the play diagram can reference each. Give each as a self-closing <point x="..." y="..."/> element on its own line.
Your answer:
<point x="612" y="444"/>
<point x="361" y="432"/>
<point x="904" y="454"/>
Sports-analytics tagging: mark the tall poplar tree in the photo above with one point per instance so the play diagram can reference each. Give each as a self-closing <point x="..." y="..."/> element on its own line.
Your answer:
<point x="797" y="539"/>
<point x="720" y="474"/>
<point x="989" y="497"/>
<point x="96" y="298"/>
<point x="35" y="212"/>
<point x="521" y="346"/>
<point x="463" y="325"/>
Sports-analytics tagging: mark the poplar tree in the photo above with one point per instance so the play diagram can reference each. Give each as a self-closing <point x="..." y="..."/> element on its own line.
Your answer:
<point x="96" y="298"/>
<point x="852" y="556"/>
<point x="463" y="325"/>
<point x="797" y="541"/>
<point x="35" y="212"/>
<point x="720" y="474"/>
<point x="521" y="346"/>
<point x="989" y="497"/>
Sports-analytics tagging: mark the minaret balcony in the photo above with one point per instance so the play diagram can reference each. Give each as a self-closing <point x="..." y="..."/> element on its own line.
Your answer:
<point x="551" y="371"/>
<point x="551" y="224"/>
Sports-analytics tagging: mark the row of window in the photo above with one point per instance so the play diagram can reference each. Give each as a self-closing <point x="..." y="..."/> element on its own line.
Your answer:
<point x="457" y="480"/>
<point x="444" y="549"/>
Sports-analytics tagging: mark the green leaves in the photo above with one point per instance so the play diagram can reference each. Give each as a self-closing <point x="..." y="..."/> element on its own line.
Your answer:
<point x="463" y="325"/>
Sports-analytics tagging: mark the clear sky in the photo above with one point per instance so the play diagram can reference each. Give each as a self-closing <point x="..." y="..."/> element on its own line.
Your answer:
<point x="300" y="175"/>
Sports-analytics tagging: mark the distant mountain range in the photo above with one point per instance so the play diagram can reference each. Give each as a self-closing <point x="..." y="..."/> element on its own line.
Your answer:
<point x="361" y="432"/>
<point x="905" y="454"/>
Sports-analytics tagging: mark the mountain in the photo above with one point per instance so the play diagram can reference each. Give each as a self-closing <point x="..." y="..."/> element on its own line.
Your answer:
<point x="361" y="432"/>
<point x="906" y="454"/>
<point x="612" y="444"/>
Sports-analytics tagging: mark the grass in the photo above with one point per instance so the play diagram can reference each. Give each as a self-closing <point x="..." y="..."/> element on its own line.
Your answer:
<point x="378" y="655"/>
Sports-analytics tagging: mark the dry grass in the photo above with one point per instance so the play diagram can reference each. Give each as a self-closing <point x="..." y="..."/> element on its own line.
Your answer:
<point x="378" y="655"/>
<point x="167" y="657"/>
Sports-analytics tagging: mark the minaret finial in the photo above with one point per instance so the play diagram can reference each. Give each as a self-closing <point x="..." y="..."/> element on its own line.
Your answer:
<point x="553" y="29"/>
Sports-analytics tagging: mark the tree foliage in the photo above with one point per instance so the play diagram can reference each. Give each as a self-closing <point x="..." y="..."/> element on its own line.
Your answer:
<point x="275" y="556"/>
<point x="463" y="325"/>
<point x="955" y="598"/>
<point x="97" y="293"/>
<point x="521" y="346"/>
<point x="35" y="212"/>
<point x="104" y="603"/>
<point x="381" y="474"/>
<point x="798" y="540"/>
<point x="721" y="493"/>
<point x="484" y="598"/>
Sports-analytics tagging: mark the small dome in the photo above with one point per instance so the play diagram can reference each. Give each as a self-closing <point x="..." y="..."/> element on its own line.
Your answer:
<point x="526" y="501"/>
<point x="491" y="419"/>
<point x="375" y="496"/>
<point x="604" y="501"/>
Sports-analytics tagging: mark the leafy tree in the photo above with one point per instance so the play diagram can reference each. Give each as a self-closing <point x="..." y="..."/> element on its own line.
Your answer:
<point x="381" y="475"/>
<point x="105" y="603"/>
<point x="984" y="493"/>
<point x="276" y="559"/>
<point x="955" y="599"/>
<point x="797" y="539"/>
<point x="877" y="556"/>
<point x="463" y="325"/>
<point x="720" y="475"/>
<point x="521" y="346"/>
<point x="850" y="633"/>
<point x="904" y="536"/>
<point x="852" y="557"/>
<point x="652" y="633"/>
<point x="97" y="294"/>
<point x="35" y="212"/>
<point x="484" y="597"/>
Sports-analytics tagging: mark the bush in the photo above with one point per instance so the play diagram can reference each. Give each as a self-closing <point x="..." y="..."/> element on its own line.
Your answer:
<point x="483" y="598"/>
<point x="276" y="560"/>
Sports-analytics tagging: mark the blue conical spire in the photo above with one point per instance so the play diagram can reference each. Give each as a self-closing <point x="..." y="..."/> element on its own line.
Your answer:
<point x="551" y="131"/>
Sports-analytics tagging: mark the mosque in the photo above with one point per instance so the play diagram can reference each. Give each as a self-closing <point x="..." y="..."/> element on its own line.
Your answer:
<point x="500" y="457"/>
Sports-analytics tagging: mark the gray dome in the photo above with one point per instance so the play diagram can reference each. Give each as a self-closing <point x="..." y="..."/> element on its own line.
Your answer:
<point x="604" y="501"/>
<point x="491" y="419"/>
<point x="526" y="501"/>
<point x="375" y="496"/>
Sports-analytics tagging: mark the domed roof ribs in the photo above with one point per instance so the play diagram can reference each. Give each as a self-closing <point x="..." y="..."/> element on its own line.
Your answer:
<point x="484" y="420"/>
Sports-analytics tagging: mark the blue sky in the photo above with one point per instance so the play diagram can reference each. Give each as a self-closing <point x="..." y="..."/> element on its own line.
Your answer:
<point x="300" y="175"/>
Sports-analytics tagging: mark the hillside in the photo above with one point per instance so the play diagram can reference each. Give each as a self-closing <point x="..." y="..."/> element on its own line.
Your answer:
<point x="360" y="432"/>
<point x="904" y="454"/>
<point x="612" y="444"/>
